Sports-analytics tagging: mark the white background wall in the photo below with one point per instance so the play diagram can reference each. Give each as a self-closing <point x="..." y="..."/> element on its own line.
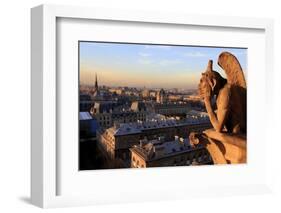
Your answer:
<point x="15" y="104"/>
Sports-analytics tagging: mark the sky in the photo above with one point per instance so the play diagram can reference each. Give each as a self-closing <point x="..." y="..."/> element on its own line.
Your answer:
<point x="150" y="66"/>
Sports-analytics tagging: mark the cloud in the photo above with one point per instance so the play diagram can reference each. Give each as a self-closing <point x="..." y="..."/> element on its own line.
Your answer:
<point x="163" y="62"/>
<point x="195" y="54"/>
<point x="144" y="54"/>
<point x="169" y="62"/>
<point x="144" y="61"/>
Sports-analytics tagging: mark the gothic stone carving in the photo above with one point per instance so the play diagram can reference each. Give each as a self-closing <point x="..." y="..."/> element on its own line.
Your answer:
<point x="227" y="141"/>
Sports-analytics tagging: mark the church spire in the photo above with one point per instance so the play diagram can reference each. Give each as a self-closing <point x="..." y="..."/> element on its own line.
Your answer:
<point x="96" y="82"/>
<point x="96" y="88"/>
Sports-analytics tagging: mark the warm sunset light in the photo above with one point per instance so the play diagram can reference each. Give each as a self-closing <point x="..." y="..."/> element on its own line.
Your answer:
<point x="144" y="105"/>
<point x="151" y="66"/>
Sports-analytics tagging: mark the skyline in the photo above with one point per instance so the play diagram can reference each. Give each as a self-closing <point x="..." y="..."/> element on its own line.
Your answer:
<point x="149" y="65"/>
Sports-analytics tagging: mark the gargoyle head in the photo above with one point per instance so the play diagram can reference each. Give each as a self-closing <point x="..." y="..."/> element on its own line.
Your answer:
<point x="211" y="82"/>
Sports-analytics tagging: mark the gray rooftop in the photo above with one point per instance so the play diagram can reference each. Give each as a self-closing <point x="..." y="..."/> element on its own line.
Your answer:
<point x="156" y="149"/>
<point x="138" y="127"/>
<point x="85" y="116"/>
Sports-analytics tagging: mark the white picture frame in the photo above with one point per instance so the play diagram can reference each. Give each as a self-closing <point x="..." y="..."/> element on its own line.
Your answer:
<point x="44" y="149"/>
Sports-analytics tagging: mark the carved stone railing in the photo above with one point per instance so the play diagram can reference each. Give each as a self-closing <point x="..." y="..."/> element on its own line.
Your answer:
<point x="224" y="148"/>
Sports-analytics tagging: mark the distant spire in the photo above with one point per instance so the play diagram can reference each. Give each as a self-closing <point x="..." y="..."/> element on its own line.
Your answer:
<point x="96" y="82"/>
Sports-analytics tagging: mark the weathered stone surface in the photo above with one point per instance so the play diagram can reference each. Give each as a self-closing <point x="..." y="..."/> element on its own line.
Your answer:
<point x="232" y="146"/>
<point x="227" y="141"/>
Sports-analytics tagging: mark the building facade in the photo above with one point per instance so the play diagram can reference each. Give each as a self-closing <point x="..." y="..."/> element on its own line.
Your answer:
<point x="171" y="109"/>
<point x="85" y="102"/>
<point x="117" y="140"/>
<point x="109" y="113"/>
<point x="179" y="152"/>
<point x="87" y="126"/>
<point x="161" y="96"/>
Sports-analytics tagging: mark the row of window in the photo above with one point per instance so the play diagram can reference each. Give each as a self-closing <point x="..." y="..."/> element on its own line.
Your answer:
<point x="198" y="157"/>
<point x="184" y="159"/>
<point x="104" y="123"/>
<point x="138" y="117"/>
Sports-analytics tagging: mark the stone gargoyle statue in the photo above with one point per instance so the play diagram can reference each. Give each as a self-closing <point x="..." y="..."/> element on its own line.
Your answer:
<point x="226" y="142"/>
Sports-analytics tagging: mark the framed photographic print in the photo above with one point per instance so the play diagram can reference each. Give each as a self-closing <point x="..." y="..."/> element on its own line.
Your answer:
<point x="133" y="106"/>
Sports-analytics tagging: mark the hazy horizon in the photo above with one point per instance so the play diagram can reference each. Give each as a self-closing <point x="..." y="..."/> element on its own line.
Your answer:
<point x="150" y="66"/>
<point x="140" y="88"/>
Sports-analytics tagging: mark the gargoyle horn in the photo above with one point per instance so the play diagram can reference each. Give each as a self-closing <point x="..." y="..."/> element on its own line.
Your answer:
<point x="210" y="66"/>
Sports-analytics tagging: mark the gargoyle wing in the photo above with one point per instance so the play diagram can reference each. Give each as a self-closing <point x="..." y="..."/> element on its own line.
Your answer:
<point x="232" y="68"/>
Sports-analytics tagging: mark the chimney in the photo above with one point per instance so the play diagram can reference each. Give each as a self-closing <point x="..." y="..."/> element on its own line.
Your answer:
<point x="161" y="138"/>
<point x="182" y="140"/>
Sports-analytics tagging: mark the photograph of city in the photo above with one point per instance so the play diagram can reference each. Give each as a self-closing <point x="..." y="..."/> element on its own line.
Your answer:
<point x="158" y="105"/>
